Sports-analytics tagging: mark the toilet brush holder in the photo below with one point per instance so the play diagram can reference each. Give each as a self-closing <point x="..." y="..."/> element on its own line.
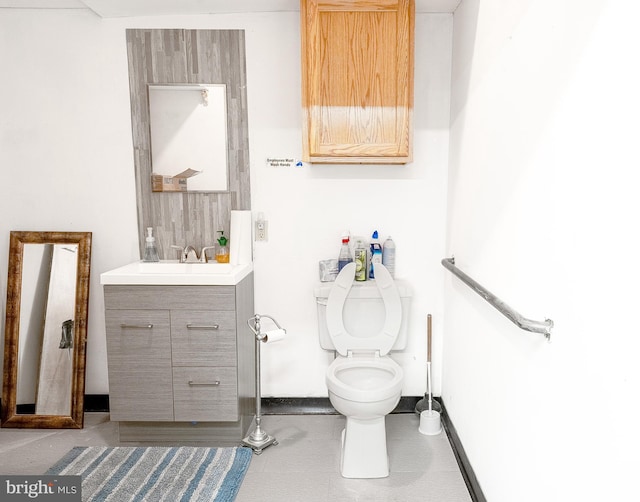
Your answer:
<point x="430" y="424"/>
<point x="258" y="440"/>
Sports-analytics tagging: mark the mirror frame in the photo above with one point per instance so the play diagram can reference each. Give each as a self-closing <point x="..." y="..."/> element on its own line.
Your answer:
<point x="8" y="414"/>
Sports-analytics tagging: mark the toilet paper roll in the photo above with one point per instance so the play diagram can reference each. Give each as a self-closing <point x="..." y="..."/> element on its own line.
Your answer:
<point x="275" y="335"/>
<point x="240" y="239"/>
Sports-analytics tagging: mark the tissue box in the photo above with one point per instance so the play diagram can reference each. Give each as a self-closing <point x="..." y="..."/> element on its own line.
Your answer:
<point x="176" y="183"/>
<point x="328" y="270"/>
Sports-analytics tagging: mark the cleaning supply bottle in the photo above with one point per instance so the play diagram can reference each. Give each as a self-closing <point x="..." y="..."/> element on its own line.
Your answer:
<point x="150" y="249"/>
<point x="345" y="252"/>
<point x="376" y="252"/>
<point x="389" y="256"/>
<point x="361" y="261"/>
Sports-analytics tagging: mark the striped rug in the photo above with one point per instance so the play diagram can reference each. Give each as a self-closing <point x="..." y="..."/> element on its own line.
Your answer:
<point x="131" y="474"/>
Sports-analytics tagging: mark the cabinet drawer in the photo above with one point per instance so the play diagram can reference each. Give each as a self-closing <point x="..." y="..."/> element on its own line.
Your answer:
<point x="203" y="338"/>
<point x="139" y="360"/>
<point x="174" y="297"/>
<point x="205" y="394"/>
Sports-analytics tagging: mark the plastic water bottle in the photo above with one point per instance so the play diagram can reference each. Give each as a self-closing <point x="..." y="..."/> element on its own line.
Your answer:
<point x="389" y="256"/>
<point x="345" y="253"/>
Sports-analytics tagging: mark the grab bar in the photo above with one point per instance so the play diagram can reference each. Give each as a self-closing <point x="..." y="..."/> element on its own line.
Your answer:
<point x="543" y="327"/>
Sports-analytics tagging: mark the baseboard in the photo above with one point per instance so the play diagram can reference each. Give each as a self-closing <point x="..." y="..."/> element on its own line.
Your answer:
<point x="461" y="457"/>
<point x="296" y="406"/>
<point x="269" y="405"/>
<point x="318" y="405"/>
<point x="96" y="403"/>
<point x="92" y="403"/>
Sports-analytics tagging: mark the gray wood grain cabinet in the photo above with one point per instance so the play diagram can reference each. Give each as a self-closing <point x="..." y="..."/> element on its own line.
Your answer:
<point x="181" y="361"/>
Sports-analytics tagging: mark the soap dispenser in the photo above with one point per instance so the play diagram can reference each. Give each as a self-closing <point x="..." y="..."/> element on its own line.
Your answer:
<point x="150" y="249"/>
<point x="222" y="253"/>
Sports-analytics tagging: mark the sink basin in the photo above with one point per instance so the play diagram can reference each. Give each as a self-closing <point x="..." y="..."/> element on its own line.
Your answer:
<point x="171" y="272"/>
<point x="171" y="267"/>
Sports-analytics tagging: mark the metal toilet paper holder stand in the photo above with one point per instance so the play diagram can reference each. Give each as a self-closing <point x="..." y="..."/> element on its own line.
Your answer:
<point x="258" y="440"/>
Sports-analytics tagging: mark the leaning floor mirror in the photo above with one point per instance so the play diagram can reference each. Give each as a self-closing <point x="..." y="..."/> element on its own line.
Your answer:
<point x="46" y="330"/>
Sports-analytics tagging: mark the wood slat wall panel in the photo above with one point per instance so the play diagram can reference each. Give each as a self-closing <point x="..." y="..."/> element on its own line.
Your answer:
<point x="188" y="56"/>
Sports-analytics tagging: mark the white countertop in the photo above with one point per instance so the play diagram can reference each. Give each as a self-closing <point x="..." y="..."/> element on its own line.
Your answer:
<point x="171" y="272"/>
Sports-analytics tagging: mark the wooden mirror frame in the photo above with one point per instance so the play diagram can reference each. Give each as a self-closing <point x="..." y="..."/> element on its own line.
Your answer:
<point x="9" y="416"/>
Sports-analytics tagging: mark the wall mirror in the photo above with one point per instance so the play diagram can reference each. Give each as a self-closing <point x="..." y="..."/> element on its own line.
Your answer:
<point x="188" y="127"/>
<point x="46" y="330"/>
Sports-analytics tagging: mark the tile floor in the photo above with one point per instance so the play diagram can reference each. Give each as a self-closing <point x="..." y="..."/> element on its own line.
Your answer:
<point x="304" y="466"/>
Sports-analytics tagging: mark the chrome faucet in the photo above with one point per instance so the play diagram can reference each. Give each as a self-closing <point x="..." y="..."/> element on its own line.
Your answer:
<point x="189" y="255"/>
<point x="203" y="253"/>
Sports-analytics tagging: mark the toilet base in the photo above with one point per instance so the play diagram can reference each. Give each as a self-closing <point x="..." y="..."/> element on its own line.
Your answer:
<point x="364" y="449"/>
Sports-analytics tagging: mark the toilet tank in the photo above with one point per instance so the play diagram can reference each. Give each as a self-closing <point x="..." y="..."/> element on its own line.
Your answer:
<point x="363" y="314"/>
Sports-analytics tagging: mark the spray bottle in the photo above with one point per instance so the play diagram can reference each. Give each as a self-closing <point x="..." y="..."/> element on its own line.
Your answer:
<point x="345" y="252"/>
<point x="376" y="252"/>
<point x="389" y="256"/>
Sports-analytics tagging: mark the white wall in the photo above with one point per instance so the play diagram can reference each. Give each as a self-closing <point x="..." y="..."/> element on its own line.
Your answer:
<point x="543" y="211"/>
<point x="308" y="208"/>
<point x="66" y="155"/>
<point x="65" y="145"/>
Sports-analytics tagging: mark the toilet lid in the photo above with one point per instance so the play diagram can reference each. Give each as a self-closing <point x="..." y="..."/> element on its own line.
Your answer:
<point x="382" y="341"/>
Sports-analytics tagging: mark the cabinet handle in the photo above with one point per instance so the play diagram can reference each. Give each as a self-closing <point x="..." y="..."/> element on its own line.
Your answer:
<point x="202" y="384"/>
<point x="202" y="326"/>
<point x="137" y="326"/>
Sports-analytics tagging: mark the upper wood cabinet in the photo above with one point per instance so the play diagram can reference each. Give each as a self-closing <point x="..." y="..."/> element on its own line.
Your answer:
<point x="357" y="80"/>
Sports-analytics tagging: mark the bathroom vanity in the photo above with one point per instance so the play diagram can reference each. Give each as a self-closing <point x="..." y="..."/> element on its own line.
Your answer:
<point x="181" y="357"/>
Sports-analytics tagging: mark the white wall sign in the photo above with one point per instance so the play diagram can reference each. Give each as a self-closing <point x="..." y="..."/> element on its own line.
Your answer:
<point x="284" y="162"/>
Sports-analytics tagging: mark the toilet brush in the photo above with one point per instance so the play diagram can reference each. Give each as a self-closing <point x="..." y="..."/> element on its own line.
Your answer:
<point x="258" y="440"/>
<point x="430" y="424"/>
<point x="427" y="402"/>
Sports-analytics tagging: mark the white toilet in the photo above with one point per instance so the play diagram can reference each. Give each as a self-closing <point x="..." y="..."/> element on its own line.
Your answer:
<point x="363" y="322"/>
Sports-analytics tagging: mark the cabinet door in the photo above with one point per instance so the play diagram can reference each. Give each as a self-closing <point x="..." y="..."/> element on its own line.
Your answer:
<point x="205" y="394"/>
<point x="357" y="80"/>
<point x="203" y="338"/>
<point x="139" y="359"/>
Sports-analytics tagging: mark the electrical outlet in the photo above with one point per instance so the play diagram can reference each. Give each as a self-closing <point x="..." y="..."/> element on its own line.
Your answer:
<point x="262" y="227"/>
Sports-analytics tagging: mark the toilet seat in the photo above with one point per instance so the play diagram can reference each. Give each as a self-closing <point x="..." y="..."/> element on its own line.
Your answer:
<point x="381" y="342"/>
<point x="368" y="388"/>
